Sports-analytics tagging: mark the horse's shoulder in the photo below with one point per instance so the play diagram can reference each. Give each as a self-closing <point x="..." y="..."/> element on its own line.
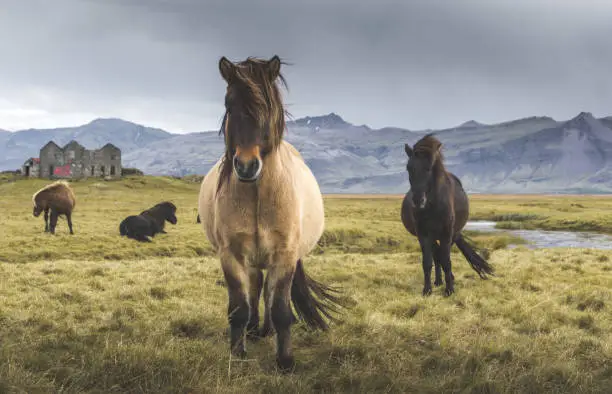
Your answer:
<point x="291" y="149"/>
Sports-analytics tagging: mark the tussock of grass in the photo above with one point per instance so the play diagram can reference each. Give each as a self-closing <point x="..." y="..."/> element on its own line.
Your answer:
<point x="97" y="313"/>
<point x="159" y="325"/>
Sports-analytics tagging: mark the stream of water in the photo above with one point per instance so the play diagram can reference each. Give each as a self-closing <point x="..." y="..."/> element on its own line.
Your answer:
<point x="549" y="239"/>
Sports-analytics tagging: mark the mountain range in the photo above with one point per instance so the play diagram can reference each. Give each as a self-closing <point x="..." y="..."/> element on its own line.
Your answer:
<point x="529" y="155"/>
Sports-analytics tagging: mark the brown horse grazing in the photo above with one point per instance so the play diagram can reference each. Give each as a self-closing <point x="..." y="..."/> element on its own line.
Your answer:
<point x="58" y="198"/>
<point x="435" y="209"/>
<point x="261" y="208"/>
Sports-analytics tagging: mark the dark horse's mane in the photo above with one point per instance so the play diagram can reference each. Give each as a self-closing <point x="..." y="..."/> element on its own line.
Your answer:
<point x="160" y="211"/>
<point x="262" y="102"/>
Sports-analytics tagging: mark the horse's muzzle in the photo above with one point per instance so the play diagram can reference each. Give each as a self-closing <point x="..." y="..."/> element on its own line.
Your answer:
<point x="420" y="202"/>
<point x="248" y="172"/>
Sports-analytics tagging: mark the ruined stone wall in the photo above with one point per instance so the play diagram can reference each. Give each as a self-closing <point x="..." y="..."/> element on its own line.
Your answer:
<point x="31" y="168"/>
<point x="51" y="158"/>
<point x="74" y="161"/>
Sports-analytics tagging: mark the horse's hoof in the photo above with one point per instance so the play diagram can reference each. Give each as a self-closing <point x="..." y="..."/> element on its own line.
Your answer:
<point x="253" y="334"/>
<point x="448" y="291"/>
<point x="265" y="332"/>
<point x="241" y="354"/>
<point x="426" y="291"/>
<point x="285" y="364"/>
<point x="438" y="283"/>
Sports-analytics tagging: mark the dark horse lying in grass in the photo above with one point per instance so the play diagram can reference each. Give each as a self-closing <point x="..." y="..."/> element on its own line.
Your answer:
<point x="148" y="223"/>
<point x="435" y="209"/>
<point x="58" y="198"/>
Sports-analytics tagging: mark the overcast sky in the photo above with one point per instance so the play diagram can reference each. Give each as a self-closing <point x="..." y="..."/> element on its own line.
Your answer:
<point x="404" y="63"/>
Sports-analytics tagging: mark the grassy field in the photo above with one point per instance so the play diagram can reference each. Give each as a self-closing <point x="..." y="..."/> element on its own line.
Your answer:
<point x="97" y="313"/>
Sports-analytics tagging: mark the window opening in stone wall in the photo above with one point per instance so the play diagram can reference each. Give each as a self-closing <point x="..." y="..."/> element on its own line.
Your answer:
<point x="93" y="170"/>
<point x="102" y="170"/>
<point x="112" y="170"/>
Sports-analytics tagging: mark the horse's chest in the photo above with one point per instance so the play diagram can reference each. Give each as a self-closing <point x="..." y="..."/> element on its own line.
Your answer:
<point x="433" y="222"/>
<point x="254" y="233"/>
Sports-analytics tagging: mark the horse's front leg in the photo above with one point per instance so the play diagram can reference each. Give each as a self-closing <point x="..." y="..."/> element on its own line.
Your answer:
<point x="445" y="261"/>
<point x="46" y="220"/>
<point x="437" y="265"/>
<point x="427" y="260"/>
<point x="53" y="221"/>
<point x="256" y="280"/>
<point x="237" y="280"/>
<point x="266" y="329"/>
<point x="280" y="280"/>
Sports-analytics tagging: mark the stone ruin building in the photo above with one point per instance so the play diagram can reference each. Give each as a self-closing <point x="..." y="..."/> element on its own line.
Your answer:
<point x="74" y="161"/>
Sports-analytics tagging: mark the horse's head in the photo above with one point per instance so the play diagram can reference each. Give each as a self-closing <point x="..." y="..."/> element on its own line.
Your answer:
<point x="254" y="120"/>
<point x="424" y="159"/>
<point x="170" y="212"/>
<point x="36" y="211"/>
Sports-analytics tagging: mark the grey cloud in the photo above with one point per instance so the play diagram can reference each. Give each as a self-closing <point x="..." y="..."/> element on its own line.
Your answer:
<point x="413" y="64"/>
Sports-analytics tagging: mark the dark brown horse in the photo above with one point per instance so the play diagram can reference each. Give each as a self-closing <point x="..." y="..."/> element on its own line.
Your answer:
<point x="435" y="209"/>
<point x="149" y="222"/>
<point x="261" y="209"/>
<point x="58" y="198"/>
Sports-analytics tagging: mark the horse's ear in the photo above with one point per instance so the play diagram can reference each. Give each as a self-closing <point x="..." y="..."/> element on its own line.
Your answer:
<point x="274" y="66"/>
<point x="408" y="150"/>
<point x="227" y="69"/>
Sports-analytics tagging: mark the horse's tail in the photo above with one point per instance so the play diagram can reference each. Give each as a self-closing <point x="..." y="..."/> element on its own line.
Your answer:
<point x="480" y="265"/>
<point x="309" y="308"/>
<point x="123" y="228"/>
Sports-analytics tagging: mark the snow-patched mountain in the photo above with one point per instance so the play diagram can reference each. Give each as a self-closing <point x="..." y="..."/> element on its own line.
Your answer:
<point x="532" y="155"/>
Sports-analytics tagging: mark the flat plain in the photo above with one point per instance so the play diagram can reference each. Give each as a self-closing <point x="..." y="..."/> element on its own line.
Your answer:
<point x="98" y="313"/>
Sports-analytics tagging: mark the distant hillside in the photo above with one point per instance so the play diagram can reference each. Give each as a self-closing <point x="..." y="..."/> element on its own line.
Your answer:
<point x="16" y="147"/>
<point x="535" y="154"/>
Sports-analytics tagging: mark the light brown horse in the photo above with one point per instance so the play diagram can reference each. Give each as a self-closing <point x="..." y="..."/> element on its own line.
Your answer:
<point x="261" y="208"/>
<point x="57" y="197"/>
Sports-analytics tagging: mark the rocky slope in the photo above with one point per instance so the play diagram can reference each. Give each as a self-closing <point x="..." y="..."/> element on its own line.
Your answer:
<point x="530" y="155"/>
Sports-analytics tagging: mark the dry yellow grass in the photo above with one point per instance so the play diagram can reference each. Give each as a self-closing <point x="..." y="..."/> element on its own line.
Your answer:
<point x="97" y="313"/>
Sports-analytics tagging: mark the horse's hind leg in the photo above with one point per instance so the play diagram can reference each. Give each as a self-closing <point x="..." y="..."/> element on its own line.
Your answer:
<point x="437" y="265"/>
<point x="46" y="220"/>
<point x="280" y="281"/>
<point x="256" y="280"/>
<point x="53" y="221"/>
<point x="69" y="220"/>
<point x="236" y="278"/>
